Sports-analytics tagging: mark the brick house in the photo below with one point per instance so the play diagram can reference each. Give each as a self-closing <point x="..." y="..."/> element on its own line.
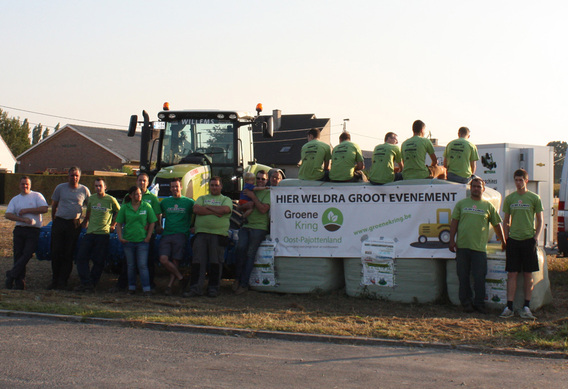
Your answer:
<point x="90" y="148"/>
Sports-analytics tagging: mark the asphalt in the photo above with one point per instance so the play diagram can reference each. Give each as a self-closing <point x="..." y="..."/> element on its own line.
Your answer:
<point x="291" y="336"/>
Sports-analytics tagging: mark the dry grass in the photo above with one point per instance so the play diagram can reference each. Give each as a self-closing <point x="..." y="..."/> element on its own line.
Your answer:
<point x="332" y="313"/>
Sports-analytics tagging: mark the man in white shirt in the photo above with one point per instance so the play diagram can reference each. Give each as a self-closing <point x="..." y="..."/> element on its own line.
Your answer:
<point x="26" y="210"/>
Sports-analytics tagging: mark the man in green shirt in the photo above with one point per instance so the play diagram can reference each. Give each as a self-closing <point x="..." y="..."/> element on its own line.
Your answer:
<point x="177" y="212"/>
<point x="460" y="157"/>
<point x="316" y="155"/>
<point x="212" y="218"/>
<point x="346" y="161"/>
<point x="100" y="220"/>
<point x="253" y="233"/>
<point x="521" y="208"/>
<point x="385" y="156"/>
<point x="414" y="152"/>
<point x="470" y="220"/>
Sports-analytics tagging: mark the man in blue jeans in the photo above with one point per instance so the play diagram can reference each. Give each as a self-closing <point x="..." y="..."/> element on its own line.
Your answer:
<point x="253" y="233"/>
<point x="100" y="220"/>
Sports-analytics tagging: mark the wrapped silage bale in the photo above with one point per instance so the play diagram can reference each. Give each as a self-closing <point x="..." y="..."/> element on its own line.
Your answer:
<point x="496" y="281"/>
<point x="416" y="280"/>
<point x="305" y="275"/>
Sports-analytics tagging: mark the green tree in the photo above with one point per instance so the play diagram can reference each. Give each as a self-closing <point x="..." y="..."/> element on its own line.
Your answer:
<point x="559" y="156"/>
<point x="36" y="134"/>
<point x="15" y="134"/>
<point x="45" y="133"/>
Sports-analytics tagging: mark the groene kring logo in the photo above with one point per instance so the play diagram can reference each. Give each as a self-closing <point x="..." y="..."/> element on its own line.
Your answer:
<point x="332" y="219"/>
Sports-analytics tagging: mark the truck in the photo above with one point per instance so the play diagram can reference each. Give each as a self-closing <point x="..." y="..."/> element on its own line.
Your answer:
<point x="195" y="145"/>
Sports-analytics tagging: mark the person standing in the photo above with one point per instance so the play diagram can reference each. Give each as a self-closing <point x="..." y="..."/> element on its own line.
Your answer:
<point x="521" y="208"/>
<point x="470" y="220"/>
<point x="142" y="182"/>
<point x="26" y="210"/>
<point x="414" y="151"/>
<point x="99" y="221"/>
<point x="385" y="156"/>
<point x="135" y="225"/>
<point x="66" y="210"/>
<point x="177" y="212"/>
<point x="346" y="161"/>
<point x="252" y="233"/>
<point x="275" y="176"/>
<point x="212" y="218"/>
<point x="460" y="157"/>
<point x="316" y="155"/>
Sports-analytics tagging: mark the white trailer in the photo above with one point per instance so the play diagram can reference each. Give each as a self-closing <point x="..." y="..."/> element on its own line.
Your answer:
<point x="497" y="163"/>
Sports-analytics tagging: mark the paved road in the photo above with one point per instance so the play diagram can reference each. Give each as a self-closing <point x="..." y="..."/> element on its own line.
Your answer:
<point x="50" y="353"/>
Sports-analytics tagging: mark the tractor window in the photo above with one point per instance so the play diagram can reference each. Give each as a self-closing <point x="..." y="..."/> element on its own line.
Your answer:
<point x="188" y="136"/>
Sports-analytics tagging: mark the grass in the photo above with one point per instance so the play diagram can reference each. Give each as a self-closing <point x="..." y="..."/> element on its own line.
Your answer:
<point x="324" y="313"/>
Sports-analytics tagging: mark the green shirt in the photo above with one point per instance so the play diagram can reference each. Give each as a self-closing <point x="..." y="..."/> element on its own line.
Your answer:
<point x="384" y="158"/>
<point x="151" y="199"/>
<point x="135" y="222"/>
<point x="177" y="212"/>
<point x="343" y="160"/>
<point x="414" y="151"/>
<point x="474" y="217"/>
<point x="522" y="209"/>
<point x="314" y="154"/>
<point x="212" y="224"/>
<point x="101" y="212"/>
<point x="258" y="220"/>
<point x="459" y="154"/>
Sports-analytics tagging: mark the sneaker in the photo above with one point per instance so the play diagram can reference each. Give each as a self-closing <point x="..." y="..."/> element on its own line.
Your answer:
<point x="191" y="293"/>
<point x="212" y="293"/>
<point x="168" y="291"/>
<point x="507" y="313"/>
<point x="9" y="280"/>
<point x="131" y="291"/>
<point x="468" y="308"/>
<point x="481" y="309"/>
<point x="240" y="290"/>
<point x="20" y="284"/>
<point x="526" y="313"/>
<point x="148" y="293"/>
<point x="235" y="285"/>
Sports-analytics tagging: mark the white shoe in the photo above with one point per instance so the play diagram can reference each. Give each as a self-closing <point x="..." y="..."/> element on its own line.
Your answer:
<point x="526" y="313"/>
<point x="507" y="313"/>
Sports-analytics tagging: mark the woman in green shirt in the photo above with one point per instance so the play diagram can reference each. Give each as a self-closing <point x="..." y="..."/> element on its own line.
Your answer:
<point x="135" y="224"/>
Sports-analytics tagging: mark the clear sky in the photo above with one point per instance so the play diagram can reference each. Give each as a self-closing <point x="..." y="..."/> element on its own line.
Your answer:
<point x="497" y="67"/>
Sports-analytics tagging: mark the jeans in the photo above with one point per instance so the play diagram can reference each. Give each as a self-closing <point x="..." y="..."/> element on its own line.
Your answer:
<point x="471" y="262"/>
<point x="137" y="255"/>
<point x="249" y="241"/>
<point x="93" y="247"/>
<point x="25" y="244"/>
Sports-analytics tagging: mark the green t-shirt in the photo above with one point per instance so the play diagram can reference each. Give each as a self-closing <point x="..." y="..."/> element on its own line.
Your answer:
<point x="177" y="212"/>
<point x="212" y="224"/>
<point x="258" y="220"/>
<point x="135" y="222"/>
<point x="459" y="154"/>
<point x="151" y="199"/>
<point x="343" y="160"/>
<point x="522" y="209"/>
<point x="474" y="217"/>
<point x="314" y="154"/>
<point x="384" y="158"/>
<point x="101" y="212"/>
<point x="414" y="151"/>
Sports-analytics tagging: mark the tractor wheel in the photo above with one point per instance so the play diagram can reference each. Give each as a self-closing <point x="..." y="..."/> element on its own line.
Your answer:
<point x="422" y="239"/>
<point x="444" y="237"/>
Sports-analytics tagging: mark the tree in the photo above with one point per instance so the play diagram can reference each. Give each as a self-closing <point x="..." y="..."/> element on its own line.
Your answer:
<point x="559" y="156"/>
<point x="45" y="133"/>
<point x="36" y="134"/>
<point x="15" y="134"/>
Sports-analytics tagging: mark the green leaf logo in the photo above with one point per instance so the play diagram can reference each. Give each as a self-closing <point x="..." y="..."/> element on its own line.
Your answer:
<point x="332" y="219"/>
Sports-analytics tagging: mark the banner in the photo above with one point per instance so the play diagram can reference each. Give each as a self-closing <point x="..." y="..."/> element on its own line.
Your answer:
<point x="377" y="258"/>
<point x="263" y="269"/>
<point x="327" y="221"/>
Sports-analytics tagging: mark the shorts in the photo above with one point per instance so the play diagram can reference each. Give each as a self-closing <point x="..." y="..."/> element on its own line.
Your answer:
<point x="173" y="246"/>
<point x="522" y="256"/>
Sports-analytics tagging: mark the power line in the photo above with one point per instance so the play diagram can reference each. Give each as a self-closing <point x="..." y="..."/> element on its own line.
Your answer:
<point x="61" y="117"/>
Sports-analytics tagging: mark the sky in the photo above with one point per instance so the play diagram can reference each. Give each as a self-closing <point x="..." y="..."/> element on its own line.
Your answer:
<point x="497" y="67"/>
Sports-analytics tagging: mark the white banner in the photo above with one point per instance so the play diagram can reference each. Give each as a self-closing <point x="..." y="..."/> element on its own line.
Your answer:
<point x="327" y="221"/>
<point x="263" y="269"/>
